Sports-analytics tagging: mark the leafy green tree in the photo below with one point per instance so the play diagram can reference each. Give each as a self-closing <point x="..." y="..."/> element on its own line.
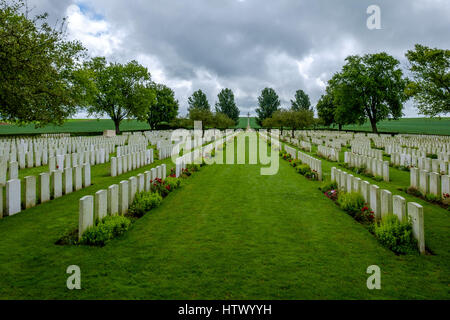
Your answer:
<point x="203" y="115"/>
<point x="41" y="79"/>
<point x="121" y="91"/>
<point x="431" y="85"/>
<point x="295" y="120"/>
<point x="301" y="101"/>
<point x="326" y="109"/>
<point x="222" y="121"/>
<point x="370" y="87"/>
<point x="226" y="104"/>
<point x="164" y="108"/>
<point x="198" y="100"/>
<point x="268" y="103"/>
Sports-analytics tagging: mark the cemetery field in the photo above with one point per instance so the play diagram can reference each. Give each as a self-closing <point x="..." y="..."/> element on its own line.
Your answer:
<point x="227" y="233"/>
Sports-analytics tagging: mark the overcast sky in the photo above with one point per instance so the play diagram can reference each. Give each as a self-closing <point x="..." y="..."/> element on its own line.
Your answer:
<point x="247" y="45"/>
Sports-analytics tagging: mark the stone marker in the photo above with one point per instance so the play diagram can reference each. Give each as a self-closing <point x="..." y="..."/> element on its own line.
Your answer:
<point x="78" y="183"/>
<point x="101" y="205"/>
<point x="113" y="200"/>
<point x="435" y="183"/>
<point x="365" y="190"/>
<point x="415" y="212"/>
<point x="57" y="184"/>
<point x="113" y="167"/>
<point x="133" y="189"/>
<point x="45" y="186"/>
<point x="68" y="181"/>
<point x="13" y="170"/>
<point x="123" y="197"/>
<point x="86" y="215"/>
<point x="13" y="205"/>
<point x="399" y="207"/>
<point x="375" y="201"/>
<point x="141" y="182"/>
<point x="148" y="177"/>
<point x="386" y="203"/>
<point x="30" y="192"/>
<point x="86" y="175"/>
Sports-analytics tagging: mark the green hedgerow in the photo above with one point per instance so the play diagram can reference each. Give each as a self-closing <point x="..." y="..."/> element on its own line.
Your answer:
<point x="396" y="235"/>
<point x="351" y="202"/>
<point x="143" y="203"/>
<point x="109" y="228"/>
<point x="303" y="169"/>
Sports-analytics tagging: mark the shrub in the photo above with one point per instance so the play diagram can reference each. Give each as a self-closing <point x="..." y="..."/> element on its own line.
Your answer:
<point x="332" y="194"/>
<point x="143" y="203"/>
<point x="432" y="198"/>
<point x="174" y="183"/>
<point x="378" y="178"/>
<point x="351" y="202"/>
<point x="432" y="155"/>
<point x="414" y="191"/>
<point x="396" y="235"/>
<point x="303" y="169"/>
<point x="446" y="199"/>
<point x="193" y="167"/>
<point x="107" y="229"/>
<point x="365" y="216"/>
<point x="328" y="185"/>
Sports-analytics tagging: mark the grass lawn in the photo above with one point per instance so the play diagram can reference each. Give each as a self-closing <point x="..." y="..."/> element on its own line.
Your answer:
<point x="228" y="233"/>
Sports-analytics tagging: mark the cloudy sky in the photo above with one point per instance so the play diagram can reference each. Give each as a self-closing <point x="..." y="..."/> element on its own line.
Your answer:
<point x="247" y="45"/>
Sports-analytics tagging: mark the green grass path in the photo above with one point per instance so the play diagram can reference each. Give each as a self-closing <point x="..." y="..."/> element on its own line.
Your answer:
<point x="228" y="233"/>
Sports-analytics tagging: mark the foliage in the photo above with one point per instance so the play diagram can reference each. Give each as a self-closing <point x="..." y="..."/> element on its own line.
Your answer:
<point x="328" y="185"/>
<point x="164" y="108"/>
<point x="295" y="120"/>
<point x="303" y="169"/>
<point x="121" y="90"/>
<point x="369" y="87"/>
<point x="41" y="79"/>
<point x="143" y="203"/>
<point x="301" y="101"/>
<point x="326" y="109"/>
<point x="352" y="202"/>
<point x="332" y="194"/>
<point x="268" y="103"/>
<point x="198" y="100"/>
<point x="226" y="105"/>
<point x="432" y="198"/>
<point x="414" y="191"/>
<point x="396" y="235"/>
<point x="203" y="115"/>
<point x="431" y="79"/>
<point x="222" y="121"/>
<point x="164" y="187"/>
<point x="365" y="215"/>
<point x="109" y="228"/>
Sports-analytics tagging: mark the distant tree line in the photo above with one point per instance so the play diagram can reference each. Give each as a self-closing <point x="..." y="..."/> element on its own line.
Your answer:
<point x="45" y="78"/>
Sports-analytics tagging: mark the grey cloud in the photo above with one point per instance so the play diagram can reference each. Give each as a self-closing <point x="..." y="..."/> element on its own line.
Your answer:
<point x="251" y="44"/>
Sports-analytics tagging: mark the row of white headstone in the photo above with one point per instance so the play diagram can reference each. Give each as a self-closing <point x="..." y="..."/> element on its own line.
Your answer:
<point x="52" y="185"/>
<point x="304" y="145"/>
<point x="368" y="152"/>
<point x="430" y="182"/>
<point x="383" y="203"/>
<point x="131" y="161"/>
<point x="373" y="166"/>
<point x="117" y="199"/>
<point x="328" y="153"/>
<point x="435" y="165"/>
<point x="313" y="163"/>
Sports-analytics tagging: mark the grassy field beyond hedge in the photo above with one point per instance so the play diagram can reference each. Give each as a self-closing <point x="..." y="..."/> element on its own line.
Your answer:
<point x="406" y="125"/>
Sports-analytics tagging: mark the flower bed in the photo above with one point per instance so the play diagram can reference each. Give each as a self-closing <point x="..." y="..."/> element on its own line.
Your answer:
<point x="300" y="167"/>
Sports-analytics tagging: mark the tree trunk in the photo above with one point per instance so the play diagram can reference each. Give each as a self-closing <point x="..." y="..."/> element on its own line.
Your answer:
<point x="340" y="127"/>
<point x="117" y="125"/>
<point x="374" y="126"/>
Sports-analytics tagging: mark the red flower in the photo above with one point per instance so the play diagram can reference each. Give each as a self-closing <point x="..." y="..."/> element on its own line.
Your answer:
<point x="168" y="187"/>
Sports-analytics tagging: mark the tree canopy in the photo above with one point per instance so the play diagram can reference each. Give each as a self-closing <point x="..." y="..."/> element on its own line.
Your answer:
<point x="226" y="104"/>
<point x="268" y="103"/>
<point x="295" y="120"/>
<point x="301" y="101"/>
<point x="121" y="91"/>
<point x="431" y="79"/>
<point x="370" y="87"/>
<point x="198" y="100"/>
<point x="164" y="108"/>
<point x="41" y="79"/>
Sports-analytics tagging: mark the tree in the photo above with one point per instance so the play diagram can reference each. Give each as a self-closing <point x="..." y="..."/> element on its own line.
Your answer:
<point x="41" y="79"/>
<point x="326" y="109"/>
<point x="198" y="100"/>
<point x="203" y="115"/>
<point x="226" y="105"/>
<point x="222" y="121"/>
<point x="163" y="108"/>
<point x="121" y="91"/>
<point x="431" y="85"/>
<point x="301" y="101"/>
<point x="295" y="120"/>
<point x="268" y="103"/>
<point x="369" y="87"/>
